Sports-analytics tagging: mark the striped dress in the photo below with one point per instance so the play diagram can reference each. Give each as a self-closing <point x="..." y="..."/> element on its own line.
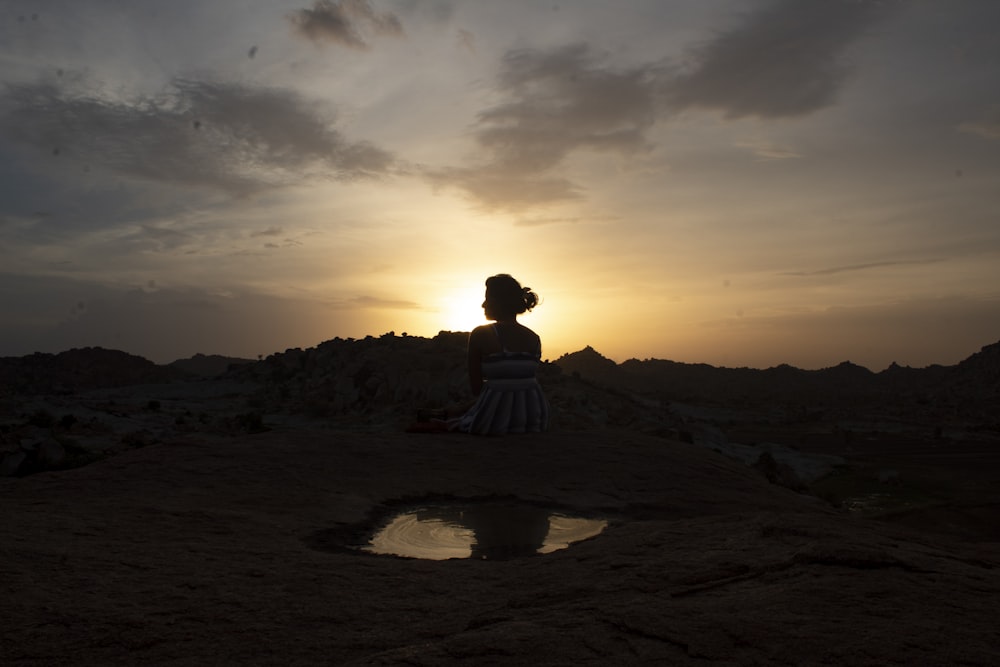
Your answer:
<point x="511" y="400"/>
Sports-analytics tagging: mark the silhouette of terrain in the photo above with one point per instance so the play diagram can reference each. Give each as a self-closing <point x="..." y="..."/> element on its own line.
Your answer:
<point x="78" y="369"/>
<point x="970" y="388"/>
<point x="360" y="374"/>
<point x="381" y="382"/>
<point x="977" y="377"/>
<point x="757" y="516"/>
<point x="207" y="365"/>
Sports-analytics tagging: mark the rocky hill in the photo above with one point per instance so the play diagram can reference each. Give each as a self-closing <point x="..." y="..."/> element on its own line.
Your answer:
<point x="79" y="369"/>
<point x="207" y="365"/>
<point x="384" y="380"/>
<point x="971" y="388"/>
<point x="979" y="374"/>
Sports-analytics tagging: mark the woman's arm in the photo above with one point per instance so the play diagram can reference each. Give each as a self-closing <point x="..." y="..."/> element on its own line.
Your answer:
<point x="475" y="359"/>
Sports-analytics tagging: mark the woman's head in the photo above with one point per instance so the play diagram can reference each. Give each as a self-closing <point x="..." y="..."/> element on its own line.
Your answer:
<point x="505" y="298"/>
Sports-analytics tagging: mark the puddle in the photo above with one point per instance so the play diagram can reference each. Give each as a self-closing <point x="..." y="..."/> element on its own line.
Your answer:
<point x="487" y="531"/>
<point x="483" y="530"/>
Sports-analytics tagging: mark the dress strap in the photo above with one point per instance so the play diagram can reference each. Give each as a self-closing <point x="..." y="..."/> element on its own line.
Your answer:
<point x="496" y="330"/>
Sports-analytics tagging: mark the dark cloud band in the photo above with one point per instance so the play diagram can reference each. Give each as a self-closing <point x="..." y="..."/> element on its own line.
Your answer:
<point x="346" y="23"/>
<point x="221" y="136"/>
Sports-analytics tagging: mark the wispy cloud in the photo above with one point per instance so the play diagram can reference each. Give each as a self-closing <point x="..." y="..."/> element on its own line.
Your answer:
<point x="223" y="136"/>
<point x="539" y="221"/>
<point x="270" y="231"/>
<point x="348" y="23"/>
<point x="786" y="60"/>
<point x="364" y="302"/>
<point x="556" y="102"/>
<point x="859" y="267"/>
<point x="765" y="150"/>
<point x="466" y="40"/>
<point x="496" y="188"/>
<point x="163" y="238"/>
<point x="987" y="127"/>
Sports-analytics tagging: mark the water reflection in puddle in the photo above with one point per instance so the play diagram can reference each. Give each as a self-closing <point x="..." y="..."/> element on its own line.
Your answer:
<point x="488" y="531"/>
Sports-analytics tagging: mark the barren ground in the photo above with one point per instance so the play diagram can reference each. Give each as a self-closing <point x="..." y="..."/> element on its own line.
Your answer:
<point x="201" y="550"/>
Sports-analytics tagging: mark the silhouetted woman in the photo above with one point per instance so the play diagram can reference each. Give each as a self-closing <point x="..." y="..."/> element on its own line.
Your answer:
<point x="503" y="358"/>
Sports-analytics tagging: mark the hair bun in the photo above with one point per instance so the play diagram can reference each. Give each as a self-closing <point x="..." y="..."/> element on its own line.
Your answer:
<point x="507" y="297"/>
<point x="530" y="298"/>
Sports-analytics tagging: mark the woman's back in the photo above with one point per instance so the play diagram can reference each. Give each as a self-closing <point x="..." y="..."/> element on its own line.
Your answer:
<point x="509" y="337"/>
<point x="502" y="359"/>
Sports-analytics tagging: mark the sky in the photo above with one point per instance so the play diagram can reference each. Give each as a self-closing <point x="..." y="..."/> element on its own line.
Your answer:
<point x="730" y="182"/>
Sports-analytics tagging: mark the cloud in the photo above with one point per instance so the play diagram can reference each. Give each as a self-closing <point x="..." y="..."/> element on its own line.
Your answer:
<point x="988" y="127"/>
<point x="270" y="231"/>
<point x="535" y="221"/>
<point x="767" y="151"/>
<point x="495" y="188"/>
<point x="222" y="136"/>
<point x="347" y="23"/>
<point x="373" y="302"/>
<point x="161" y="238"/>
<point x="466" y="40"/>
<point x="859" y="267"/>
<point x="983" y="129"/>
<point x="563" y="100"/>
<point x="555" y="103"/>
<point x="784" y="61"/>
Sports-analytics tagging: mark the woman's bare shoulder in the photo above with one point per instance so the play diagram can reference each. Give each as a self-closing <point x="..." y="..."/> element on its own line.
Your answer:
<point x="482" y="335"/>
<point x="482" y="330"/>
<point x="530" y="333"/>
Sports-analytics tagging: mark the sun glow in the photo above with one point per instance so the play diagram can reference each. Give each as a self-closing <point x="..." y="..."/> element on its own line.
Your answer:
<point x="461" y="309"/>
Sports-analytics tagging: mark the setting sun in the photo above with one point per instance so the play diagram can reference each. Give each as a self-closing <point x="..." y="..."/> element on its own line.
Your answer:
<point x="461" y="308"/>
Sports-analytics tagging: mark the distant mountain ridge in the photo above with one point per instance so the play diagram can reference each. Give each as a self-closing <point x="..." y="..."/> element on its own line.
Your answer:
<point x="977" y="377"/>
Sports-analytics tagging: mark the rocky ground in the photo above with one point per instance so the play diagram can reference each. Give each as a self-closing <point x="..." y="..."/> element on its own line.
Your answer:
<point x="196" y="522"/>
<point x="202" y="550"/>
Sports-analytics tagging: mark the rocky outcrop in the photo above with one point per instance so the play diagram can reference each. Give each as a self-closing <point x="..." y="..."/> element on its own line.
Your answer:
<point x="78" y="369"/>
<point x="207" y="365"/>
<point x="371" y="379"/>
<point x="591" y="364"/>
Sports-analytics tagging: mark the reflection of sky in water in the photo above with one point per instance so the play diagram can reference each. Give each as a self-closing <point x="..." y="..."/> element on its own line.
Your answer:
<point x="564" y="530"/>
<point x="486" y="532"/>
<point x="408" y="535"/>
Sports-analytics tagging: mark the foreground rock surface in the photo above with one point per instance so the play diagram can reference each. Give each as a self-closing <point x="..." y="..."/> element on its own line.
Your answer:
<point x="197" y="551"/>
